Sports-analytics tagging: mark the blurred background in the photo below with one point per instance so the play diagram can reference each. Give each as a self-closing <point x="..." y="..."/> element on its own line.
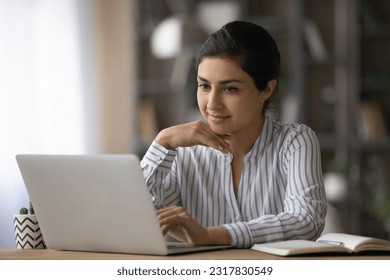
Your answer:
<point x="104" y="76"/>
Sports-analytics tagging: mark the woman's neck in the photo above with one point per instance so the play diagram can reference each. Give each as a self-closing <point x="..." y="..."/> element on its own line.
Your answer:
<point x="242" y="142"/>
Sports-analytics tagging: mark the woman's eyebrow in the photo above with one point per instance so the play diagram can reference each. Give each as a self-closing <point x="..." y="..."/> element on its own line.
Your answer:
<point x="203" y="79"/>
<point x="223" y="82"/>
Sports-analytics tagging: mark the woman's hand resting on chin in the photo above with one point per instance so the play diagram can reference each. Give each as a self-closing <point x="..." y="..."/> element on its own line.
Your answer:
<point x="191" y="134"/>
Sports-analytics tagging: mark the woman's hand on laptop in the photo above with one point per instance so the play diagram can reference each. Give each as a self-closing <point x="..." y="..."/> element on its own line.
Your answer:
<point x="176" y="221"/>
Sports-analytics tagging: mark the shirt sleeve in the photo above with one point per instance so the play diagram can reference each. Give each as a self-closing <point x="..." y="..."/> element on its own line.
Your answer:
<point x="157" y="168"/>
<point x="304" y="202"/>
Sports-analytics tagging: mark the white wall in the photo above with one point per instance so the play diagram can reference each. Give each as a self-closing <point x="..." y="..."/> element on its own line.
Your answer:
<point x="42" y="90"/>
<point x="67" y="86"/>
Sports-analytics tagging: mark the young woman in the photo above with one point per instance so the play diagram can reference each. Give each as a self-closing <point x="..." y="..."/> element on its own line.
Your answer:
<point x="239" y="178"/>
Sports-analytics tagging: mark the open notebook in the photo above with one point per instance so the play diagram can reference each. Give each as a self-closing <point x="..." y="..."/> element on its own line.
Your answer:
<point x="95" y="203"/>
<point x="327" y="243"/>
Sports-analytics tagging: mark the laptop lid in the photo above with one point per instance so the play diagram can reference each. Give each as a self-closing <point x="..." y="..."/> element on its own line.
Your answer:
<point x="92" y="203"/>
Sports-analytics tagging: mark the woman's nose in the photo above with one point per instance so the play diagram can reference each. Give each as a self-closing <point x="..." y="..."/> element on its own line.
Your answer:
<point x="214" y="102"/>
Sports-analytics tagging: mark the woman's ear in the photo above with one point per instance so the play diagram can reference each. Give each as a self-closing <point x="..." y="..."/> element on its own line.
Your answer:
<point x="269" y="90"/>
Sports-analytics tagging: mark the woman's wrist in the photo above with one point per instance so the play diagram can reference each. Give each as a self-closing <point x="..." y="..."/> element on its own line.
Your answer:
<point x="163" y="140"/>
<point x="218" y="236"/>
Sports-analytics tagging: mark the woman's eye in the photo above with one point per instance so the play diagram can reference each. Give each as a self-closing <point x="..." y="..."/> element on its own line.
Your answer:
<point x="204" y="86"/>
<point x="230" y="89"/>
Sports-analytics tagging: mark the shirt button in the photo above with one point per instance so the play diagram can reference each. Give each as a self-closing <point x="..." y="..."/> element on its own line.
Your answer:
<point x="237" y="218"/>
<point x="158" y="158"/>
<point x="153" y="198"/>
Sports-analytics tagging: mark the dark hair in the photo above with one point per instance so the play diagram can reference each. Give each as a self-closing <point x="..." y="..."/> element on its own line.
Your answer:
<point x="248" y="43"/>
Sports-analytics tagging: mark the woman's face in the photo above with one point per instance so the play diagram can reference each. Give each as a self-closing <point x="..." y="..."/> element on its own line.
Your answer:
<point x="228" y="98"/>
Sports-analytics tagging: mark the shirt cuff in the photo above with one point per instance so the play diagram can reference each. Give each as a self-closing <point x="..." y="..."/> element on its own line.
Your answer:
<point x="240" y="234"/>
<point x="160" y="157"/>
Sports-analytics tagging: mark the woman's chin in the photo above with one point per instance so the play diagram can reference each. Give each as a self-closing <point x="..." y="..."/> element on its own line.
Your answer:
<point x="219" y="130"/>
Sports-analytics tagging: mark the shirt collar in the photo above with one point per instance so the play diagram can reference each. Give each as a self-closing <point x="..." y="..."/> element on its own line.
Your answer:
<point x="261" y="141"/>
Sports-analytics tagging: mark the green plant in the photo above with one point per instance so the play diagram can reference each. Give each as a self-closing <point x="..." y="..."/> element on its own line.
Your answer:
<point x="25" y="211"/>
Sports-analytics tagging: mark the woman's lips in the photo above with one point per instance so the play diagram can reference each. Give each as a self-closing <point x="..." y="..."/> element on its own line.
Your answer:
<point x="217" y="118"/>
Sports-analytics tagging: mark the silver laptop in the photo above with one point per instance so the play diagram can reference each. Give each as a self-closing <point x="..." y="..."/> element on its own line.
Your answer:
<point x="95" y="203"/>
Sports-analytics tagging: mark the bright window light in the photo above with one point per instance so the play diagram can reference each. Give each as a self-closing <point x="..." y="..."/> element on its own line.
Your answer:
<point x="41" y="98"/>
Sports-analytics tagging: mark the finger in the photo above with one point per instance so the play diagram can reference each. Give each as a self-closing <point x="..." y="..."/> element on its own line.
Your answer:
<point x="166" y="229"/>
<point x="223" y="146"/>
<point x="171" y="223"/>
<point x="201" y="134"/>
<point x="171" y="216"/>
<point x="170" y="210"/>
<point x="215" y="141"/>
<point x="173" y="220"/>
<point x="220" y="142"/>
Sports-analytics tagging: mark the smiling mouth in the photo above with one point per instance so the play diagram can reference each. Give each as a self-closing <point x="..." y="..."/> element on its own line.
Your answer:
<point x="217" y="117"/>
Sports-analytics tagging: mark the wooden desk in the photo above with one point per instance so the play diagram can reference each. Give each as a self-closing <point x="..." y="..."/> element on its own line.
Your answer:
<point x="230" y="254"/>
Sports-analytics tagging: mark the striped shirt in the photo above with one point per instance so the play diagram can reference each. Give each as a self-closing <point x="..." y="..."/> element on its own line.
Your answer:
<point x="281" y="193"/>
